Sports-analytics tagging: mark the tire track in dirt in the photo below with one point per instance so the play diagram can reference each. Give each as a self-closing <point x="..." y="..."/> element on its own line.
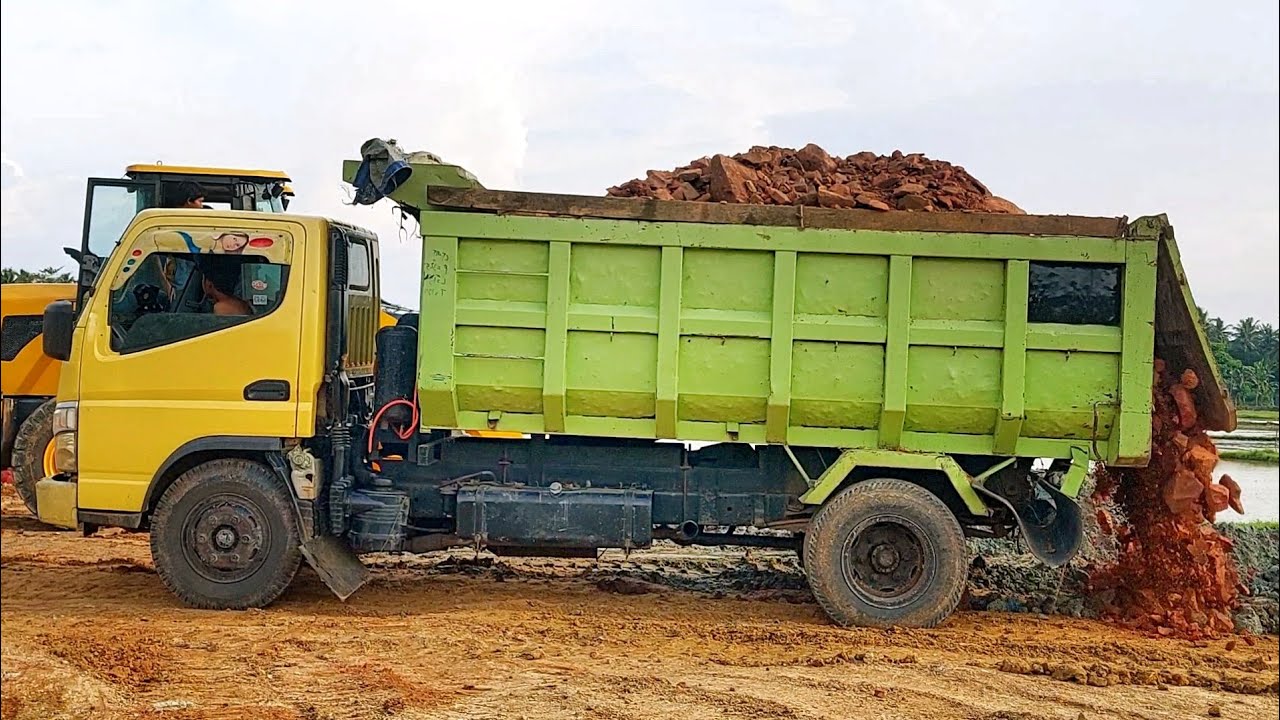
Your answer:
<point x="435" y="638"/>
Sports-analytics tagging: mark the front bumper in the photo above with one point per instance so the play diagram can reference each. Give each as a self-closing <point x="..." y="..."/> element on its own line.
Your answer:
<point x="56" y="502"/>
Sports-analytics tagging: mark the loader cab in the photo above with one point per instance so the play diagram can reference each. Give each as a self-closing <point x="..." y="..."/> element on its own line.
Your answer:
<point x="112" y="203"/>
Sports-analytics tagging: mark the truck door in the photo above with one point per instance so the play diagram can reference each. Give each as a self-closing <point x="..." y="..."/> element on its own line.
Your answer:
<point x="193" y="337"/>
<point x="109" y="206"/>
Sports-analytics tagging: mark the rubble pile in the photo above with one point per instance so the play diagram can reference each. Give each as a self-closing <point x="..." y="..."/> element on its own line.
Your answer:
<point x="809" y="176"/>
<point x="1174" y="574"/>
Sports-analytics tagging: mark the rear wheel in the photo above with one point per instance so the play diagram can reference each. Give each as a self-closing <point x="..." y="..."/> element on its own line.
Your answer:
<point x="33" y="453"/>
<point x="224" y="536"/>
<point x="886" y="552"/>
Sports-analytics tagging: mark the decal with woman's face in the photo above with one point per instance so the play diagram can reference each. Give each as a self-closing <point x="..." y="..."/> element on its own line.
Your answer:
<point x="231" y="242"/>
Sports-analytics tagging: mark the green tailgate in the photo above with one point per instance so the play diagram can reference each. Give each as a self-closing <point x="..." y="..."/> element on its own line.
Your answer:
<point x="854" y="337"/>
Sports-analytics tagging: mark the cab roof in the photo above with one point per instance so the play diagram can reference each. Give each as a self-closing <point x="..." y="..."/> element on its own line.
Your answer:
<point x="144" y="169"/>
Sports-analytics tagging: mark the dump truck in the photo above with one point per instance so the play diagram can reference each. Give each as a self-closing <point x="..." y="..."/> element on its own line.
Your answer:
<point x="868" y="389"/>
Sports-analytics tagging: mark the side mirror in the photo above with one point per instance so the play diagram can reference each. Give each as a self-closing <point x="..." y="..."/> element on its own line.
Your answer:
<point x="59" y="323"/>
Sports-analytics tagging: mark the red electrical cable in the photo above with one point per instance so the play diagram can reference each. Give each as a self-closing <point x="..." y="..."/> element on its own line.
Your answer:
<point x="403" y="433"/>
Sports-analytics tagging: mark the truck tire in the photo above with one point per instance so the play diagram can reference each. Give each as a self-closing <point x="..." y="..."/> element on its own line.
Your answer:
<point x="885" y="553"/>
<point x="33" y="453"/>
<point x="224" y="536"/>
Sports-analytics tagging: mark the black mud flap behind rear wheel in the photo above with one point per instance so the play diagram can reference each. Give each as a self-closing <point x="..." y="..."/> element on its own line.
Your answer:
<point x="336" y="564"/>
<point x="1049" y="520"/>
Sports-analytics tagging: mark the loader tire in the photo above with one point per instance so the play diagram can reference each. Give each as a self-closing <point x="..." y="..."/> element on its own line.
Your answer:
<point x="224" y="536"/>
<point x="885" y="553"/>
<point x="33" y="453"/>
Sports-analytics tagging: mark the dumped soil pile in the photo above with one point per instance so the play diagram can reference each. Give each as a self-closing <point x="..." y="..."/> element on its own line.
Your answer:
<point x="1174" y="574"/>
<point x="810" y="176"/>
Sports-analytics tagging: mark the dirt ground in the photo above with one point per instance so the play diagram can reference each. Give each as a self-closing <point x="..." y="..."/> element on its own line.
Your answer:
<point x="89" y="632"/>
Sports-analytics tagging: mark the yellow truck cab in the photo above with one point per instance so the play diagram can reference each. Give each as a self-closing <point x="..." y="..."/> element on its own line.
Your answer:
<point x="29" y="378"/>
<point x="159" y="380"/>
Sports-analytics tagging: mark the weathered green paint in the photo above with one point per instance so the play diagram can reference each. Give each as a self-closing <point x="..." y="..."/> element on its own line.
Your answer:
<point x="778" y="412"/>
<point x="911" y="341"/>
<point x="1076" y="474"/>
<point x="753" y="237"/>
<point x="894" y="406"/>
<point x="837" y="471"/>
<point x="1013" y="375"/>
<point x="436" y="370"/>
<point x="557" y="338"/>
<point x="668" y="330"/>
<point x="982" y="476"/>
<point x="1181" y="336"/>
<point x="1132" y="437"/>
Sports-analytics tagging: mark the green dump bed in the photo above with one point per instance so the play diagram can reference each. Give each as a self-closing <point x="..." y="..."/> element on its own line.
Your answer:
<point x="952" y="333"/>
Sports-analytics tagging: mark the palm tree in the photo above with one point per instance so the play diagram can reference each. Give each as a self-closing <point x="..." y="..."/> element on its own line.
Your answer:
<point x="1216" y="329"/>
<point x="46" y="275"/>
<point x="1267" y="341"/>
<point x="1245" y="340"/>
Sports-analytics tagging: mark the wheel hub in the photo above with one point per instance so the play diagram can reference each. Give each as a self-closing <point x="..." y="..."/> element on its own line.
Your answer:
<point x="226" y="538"/>
<point x="884" y="558"/>
<point x="884" y="561"/>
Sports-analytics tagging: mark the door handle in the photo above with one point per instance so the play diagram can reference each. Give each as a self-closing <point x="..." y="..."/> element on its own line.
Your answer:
<point x="267" y="390"/>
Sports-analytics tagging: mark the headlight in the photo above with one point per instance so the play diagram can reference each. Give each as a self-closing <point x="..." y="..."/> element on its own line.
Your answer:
<point x="64" y="452"/>
<point x="66" y="417"/>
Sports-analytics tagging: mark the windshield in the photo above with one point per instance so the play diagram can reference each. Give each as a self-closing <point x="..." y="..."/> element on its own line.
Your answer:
<point x="112" y="208"/>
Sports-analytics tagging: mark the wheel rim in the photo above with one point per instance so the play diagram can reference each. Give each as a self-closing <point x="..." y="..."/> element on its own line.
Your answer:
<point x="886" y="560"/>
<point x="226" y="538"/>
<point x="47" y="464"/>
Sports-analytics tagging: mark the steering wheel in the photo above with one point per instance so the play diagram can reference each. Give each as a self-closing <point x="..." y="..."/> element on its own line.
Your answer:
<point x="150" y="299"/>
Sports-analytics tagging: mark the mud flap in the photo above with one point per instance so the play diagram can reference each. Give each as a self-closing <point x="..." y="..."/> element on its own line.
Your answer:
<point x="336" y="564"/>
<point x="1049" y="520"/>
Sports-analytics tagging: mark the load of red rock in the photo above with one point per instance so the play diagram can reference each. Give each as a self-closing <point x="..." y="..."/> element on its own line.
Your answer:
<point x="809" y="176"/>
<point x="1174" y="574"/>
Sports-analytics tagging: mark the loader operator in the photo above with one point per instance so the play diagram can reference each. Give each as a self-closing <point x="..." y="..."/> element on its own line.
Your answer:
<point x="189" y="195"/>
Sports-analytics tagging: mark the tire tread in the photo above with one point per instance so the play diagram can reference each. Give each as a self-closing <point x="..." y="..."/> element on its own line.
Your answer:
<point x="35" y="433"/>
<point x="167" y="557"/>
<point x="823" y="581"/>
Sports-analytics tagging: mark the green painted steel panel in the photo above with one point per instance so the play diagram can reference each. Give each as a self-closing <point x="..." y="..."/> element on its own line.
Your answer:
<point x="612" y="374"/>
<point x="724" y="379"/>
<point x="831" y="287"/>
<point x="951" y="289"/>
<point x="836" y="384"/>
<point x="1013" y="373"/>
<point x="953" y="389"/>
<point x="1071" y="409"/>
<point x="906" y="340"/>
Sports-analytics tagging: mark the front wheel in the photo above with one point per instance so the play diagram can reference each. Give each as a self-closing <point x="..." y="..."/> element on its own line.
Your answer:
<point x="886" y="552"/>
<point x="224" y="536"/>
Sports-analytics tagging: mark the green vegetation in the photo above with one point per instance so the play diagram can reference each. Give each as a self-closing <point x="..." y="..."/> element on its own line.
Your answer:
<point x="1254" y="524"/>
<point x="47" y="275"/>
<point x="1247" y="356"/>
<point x="1258" y="415"/>
<point x="1271" y="457"/>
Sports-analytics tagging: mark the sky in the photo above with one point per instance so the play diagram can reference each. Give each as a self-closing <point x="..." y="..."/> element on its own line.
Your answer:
<point x="1064" y="107"/>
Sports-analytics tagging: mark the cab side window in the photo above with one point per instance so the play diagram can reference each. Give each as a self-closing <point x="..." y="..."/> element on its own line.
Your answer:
<point x="170" y="296"/>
